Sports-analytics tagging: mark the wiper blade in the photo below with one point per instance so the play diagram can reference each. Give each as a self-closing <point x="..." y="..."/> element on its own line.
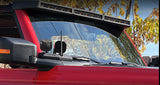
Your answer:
<point x="81" y="58"/>
<point x="122" y="63"/>
<point x="65" y="58"/>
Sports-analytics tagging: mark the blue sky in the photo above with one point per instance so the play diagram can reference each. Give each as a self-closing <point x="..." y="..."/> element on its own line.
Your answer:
<point x="152" y="49"/>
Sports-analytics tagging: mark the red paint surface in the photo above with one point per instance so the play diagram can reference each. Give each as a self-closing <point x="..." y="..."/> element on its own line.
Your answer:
<point x="27" y="28"/>
<point x="17" y="76"/>
<point x="135" y="47"/>
<point x="98" y="75"/>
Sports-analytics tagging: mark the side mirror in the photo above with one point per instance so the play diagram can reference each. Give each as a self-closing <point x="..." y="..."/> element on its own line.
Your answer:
<point x="46" y="45"/>
<point x="16" y="51"/>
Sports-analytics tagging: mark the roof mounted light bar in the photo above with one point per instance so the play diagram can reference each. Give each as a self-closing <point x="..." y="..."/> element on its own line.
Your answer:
<point x="68" y="10"/>
<point x="83" y="13"/>
<point x="55" y="7"/>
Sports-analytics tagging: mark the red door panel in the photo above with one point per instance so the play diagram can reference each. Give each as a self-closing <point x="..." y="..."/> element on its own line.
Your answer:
<point x="98" y="75"/>
<point x="17" y="76"/>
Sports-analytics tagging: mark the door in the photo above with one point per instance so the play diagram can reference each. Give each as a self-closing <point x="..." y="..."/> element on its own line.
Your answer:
<point x="17" y="76"/>
<point x="98" y="75"/>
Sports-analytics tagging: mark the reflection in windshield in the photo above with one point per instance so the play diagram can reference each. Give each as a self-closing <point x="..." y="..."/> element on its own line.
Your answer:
<point x="88" y="41"/>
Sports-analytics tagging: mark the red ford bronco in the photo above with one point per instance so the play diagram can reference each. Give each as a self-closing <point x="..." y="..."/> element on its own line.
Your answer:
<point x="49" y="44"/>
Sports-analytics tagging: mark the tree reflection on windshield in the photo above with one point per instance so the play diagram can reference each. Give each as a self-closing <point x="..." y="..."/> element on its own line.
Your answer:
<point x="85" y="40"/>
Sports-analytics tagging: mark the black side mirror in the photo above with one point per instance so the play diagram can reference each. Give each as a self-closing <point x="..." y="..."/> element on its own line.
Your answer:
<point x="16" y="51"/>
<point x="58" y="48"/>
<point x="46" y="45"/>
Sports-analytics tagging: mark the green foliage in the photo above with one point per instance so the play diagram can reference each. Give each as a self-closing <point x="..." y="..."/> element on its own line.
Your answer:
<point x="146" y="30"/>
<point x="121" y="11"/>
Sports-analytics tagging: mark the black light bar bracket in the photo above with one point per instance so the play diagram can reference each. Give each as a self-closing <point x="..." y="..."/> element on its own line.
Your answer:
<point x="116" y="25"/>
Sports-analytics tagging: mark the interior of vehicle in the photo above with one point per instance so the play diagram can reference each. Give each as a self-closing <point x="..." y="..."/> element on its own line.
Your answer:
<point x="8" y="27"/>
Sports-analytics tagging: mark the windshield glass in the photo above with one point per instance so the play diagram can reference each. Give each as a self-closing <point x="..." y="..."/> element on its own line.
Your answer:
<point x="88" y="41"/>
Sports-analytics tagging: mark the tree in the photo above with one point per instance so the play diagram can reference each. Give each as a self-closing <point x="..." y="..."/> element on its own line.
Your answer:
<point x="144" y="30"/>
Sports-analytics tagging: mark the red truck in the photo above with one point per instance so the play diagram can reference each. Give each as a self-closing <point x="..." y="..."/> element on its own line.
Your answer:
<point x="49" y="44"/>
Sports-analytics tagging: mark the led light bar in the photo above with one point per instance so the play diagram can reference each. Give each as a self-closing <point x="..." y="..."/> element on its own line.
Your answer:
<point x="87" y="14"/>
<point x="116" y="20"/>
<point x="80" y="12"/>
<point x="56" y="7"/>
<point x="24" y="4"/>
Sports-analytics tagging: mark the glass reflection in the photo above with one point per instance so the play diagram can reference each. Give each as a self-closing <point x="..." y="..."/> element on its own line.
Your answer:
<point x="88" y="41"/>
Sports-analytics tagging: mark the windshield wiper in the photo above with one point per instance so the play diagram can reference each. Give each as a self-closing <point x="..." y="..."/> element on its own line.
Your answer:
<point x="122" y="63"/>
<point x="81" y="58"/>
<point x="65" y="58"/>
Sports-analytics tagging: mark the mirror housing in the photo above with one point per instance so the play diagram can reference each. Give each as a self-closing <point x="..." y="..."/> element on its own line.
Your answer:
<point x="16" y="51"/>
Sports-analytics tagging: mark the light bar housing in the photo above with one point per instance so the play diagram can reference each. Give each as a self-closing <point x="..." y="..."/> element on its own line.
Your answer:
<point x="114" y="23"/>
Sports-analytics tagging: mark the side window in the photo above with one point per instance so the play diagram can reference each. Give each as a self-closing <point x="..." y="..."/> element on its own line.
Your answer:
<point x="8" y="27"/>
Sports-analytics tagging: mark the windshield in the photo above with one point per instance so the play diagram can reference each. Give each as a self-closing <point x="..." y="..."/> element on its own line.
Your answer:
<point x="88" y="41"/>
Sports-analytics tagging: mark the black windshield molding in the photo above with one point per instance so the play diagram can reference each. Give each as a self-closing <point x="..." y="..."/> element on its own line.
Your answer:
<point x="111" y="24"/>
